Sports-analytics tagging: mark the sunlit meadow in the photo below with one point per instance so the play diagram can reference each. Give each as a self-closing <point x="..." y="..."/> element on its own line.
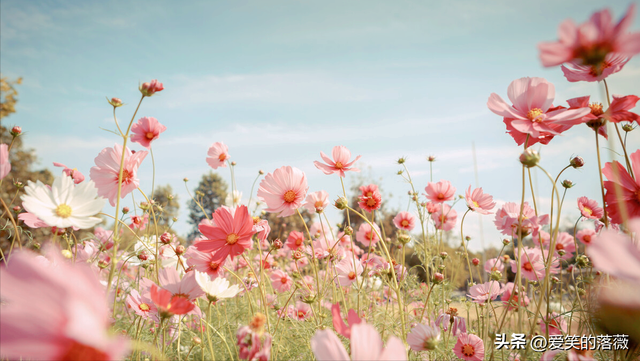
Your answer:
<point x="312" y="252"/>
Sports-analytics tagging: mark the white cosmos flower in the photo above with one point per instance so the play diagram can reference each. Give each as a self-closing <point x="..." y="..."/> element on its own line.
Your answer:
<point x="233" y="199"/>
<point x="216" y="289"/>
<point x="64" y="204"/>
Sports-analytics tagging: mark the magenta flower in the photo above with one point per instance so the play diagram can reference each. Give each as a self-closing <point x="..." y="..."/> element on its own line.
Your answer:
<point x="589" y="208"/>
<point x="405" y="221"/>
<point x="617" y="254"/>
<point x="450" y="319"/>
<point x="348" y="271"/>
<point x="106" y="172"/>
<point x="5" y="165"/>
<point x="281" y="281"/>
<point x="54" y="310"/>
<point x="338" y="323"/>
<point x="230" y="235"/>
<point x="340" y="162"/>
<point x="593" y="43"/>
<point x="440" y="192"/>
<point x="469" y="347"/>
<point x="484" y="292"/>
<point x="218" y="154"/>
<point x="479" y="202"/>
<point x="73" y="173"/>
<point x="445" y="217"/>
<point x="283" y="190"/>
<point x="630" y="189"/>
<point x="531" y="112"/>
<point x="146" y="130"/>
<point x="316" y="201"/>
<point x="367" y="235"/>
<point x="366" y="344"/>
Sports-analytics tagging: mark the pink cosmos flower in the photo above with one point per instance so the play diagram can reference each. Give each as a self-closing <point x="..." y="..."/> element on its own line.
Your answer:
<point x="494" y="264"/>
<point x="262" y="228"/>
<point x="218" y="154"/>
<point x="589" y="208"/>
<point x="445" y="217"/>
<point x="586" y="236"/>
<point x="531" y="114"/>
<point x="484" y="292"/>
<point x="469" y="347"/>
<point x="142" y="306"/>
<point x="348" y="271"/>
<point x="479" y="202"/>
<point x="617" y="112"/>
<point x="295" y="240"/>
<point x="283" y="190"/>
<point x="589" y="44"/>
<point x="507" y="218"/>
<point x="440" y="192"/>
<point x="371" y="199"/>
<point x="150" y="88"/>
<point x="138" y="222"/>
<point x="565" y="242"/>
<point x="340" y="162"/>
<point x="301" y="311"/>
<point x="511" y="299"/>
<point x="187" y="287"/>
<point x="31" y="220"/>
<point x="405" y="221"/>
<point x="73" y="173"/>
<point x="146" y="130"/>
<point x="612" y="64"/>
<point x="106" y="172"/>
<point x="630" y="197"/>
<point x="168" y="304"/>
<point x="231" y="234"/>
<point x="54" y="310"/>
<point x="316" y="202"/>
<point x="367" y="235"/>
<point x="451" y="319"/>
<point x="531" y="264"/>
<point x="338" y="323"/>
<point x="366" y="344"/>
<point x="253" y="345"/>
<point x="281" y="281"/>
<point x="557" y="324"/>
<point x="5" y="165"/>
<point x="423" y="337"/>
<point x="617" y="254"/>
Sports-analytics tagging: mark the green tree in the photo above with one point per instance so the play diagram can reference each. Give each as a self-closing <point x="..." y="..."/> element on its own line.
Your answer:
<point x="210" y="193"/>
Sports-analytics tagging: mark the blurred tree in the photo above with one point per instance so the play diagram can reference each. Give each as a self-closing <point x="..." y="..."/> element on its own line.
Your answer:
<point x="281" y="226"/>
<point x="210" y="193"/>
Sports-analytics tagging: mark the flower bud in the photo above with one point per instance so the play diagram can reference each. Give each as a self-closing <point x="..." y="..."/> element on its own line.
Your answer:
<point x="431" y="158"/>
<point x="506" y="242"/>
<point x="475" y="261"/>
<point x="18" y="184"/>
<point x="348" y="231"/>
<point x="438" y="277"/>
<point x="444" y="255"/>
<point x="144" y="206"/>
<point x="467" y="238"/>
<point x="143" y="256"/>
<point x="196" y="340"/>
<point x="342" y="203"/>
<point x="297" y="255"/>
<point x="165" y="238"/>
<point x="102" y="264"/>
<point x="261" y="172"/>
<point x="529" y="158"/>
<point x="567" y="183"/>
<point x="16" y="131"/>
<point x="404" y="238"/>
<point x="150" y="88"/>
<point x="180" y="250"/>
<point x="277" y="244"/>
<point x="115" y="102"/>
<point x="562" y="252"/>
<point x="17" y="209"/>
<point x="175" y="219"/>
<point x="185" y="179"/>
<point x="441" y="267"/>
<point x="233" y="163"/>
<point x="555" y="280"/>
<point x="400" y="172"/>
<point x="577" y="162"/>
<point x="125" y="210"/>
<point x="627" y="128"/>
<point x="582" y="261"/>
<point x="402" y="160"/>
<point x="496" y="276"/>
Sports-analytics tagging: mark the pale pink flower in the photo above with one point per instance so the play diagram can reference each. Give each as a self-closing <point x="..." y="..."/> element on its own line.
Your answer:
<point x="348" y="271"/>
<point x="479" y="202"/>
<point x="511" y="299"/>
<point x="451" y="319"/>
<point x="530" y="114"/>
<point x="405" y="221"/>
<point x="54" y="311"/>
<point x="367" y="235"/>
<point x="218" y="154"/>
<point x="423" y="337"/>
<point x="484" y="292"/>
<point x="316" y="202"/>
<point x="469" y="347"/>
<point x="445" y="217"/>
<point x="440" y="192"/>
<point x="617" y="254"/>
<point x="338" y="323"/>
<point x="281" y="281"/>
<point x="494" y="264"/>
<point x="565" y="242"/>
<point x="340" y="162"/>
<point x="630" y="197"/>
<point x="31" y="220"/>
<point x="301" y="311"/>
<point x="142" y="306"/>
<point x="5" y="165"/>
<point x="138" y="222"/>
<point x="107" y="170"/>
<point x="589" y="208"/>
<point x="557" y="324"/>
<point x="205" y="262"/>
<point x="187" y="287"/>
<point x="262" y="228"/>
<point x="73" y="173"/>
<point x="150" y="88"/>
<point x="252" y="344"/>
<point x="366" y="344"/>
<point x="531" y="264"/>
<point x="146" y="130"/>
<point x="589" y="43"/>
<point x="231" y="234"/>
<point x="586" y="236"/>
<point x="507" y="218"/>
<point x="283" y="190"/>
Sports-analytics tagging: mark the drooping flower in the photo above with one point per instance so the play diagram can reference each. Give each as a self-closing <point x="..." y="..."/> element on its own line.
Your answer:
<point x="281" y="281"/>
<point x="217" y="289"/>
<point x="367" y="235"/>
<point x="612" y="64"/>
<point x="630" y="189"/>
<point x="592" y="44"/>
<point x="230" y="235"/>
<point x="445" y="217"/>
<point x="482" y="293"/>
<point x="617" y="254"/>
<point x="589" y="208"/>
<point x="73" y="173"/>
<point x="440" y="192"/>
<point x="469" y="347"/>
<point x="348" y="271"/>
<point x="405" y="221"/>
<point x="340" y="162"/>
<point x="64" y="205"/>
<point x="531" y="112"/>
<point x="218" y="154"/>
<point x="316" y="201"/>
<point x="366" y="344"/>
<point x="146" y="130"/>
<point x="107" y="170"/>
<point x="557" y="324"/>
<point x="423" y="337"/>
<point x="478" y="201"/>
<point x="338" y="323"/>
<point x="54" y="310"/>
<point x="5" y="165"/>
<point x="283" y="190"/>
<point x="150" y="88"/>
<point x="451" y="319"/>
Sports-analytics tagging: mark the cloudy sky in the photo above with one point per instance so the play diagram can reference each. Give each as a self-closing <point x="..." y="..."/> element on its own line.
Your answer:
<point x="278" y="82"/>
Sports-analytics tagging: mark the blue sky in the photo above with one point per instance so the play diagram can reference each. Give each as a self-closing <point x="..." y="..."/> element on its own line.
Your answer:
<point x="278" y="82"/>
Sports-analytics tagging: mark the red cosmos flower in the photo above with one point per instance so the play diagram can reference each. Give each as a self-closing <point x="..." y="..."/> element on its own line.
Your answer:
<point x="230" y="235"/>
<point x="150" y="88"/>
<point x="370" y="199"/>
<point x="168" y="304"/>
<point x="340" y="162"/>
<point x="146" y="130"/>
<point x="630" y="189"/>
<point x="617" y="112"/>
<point x="594" y="46"/>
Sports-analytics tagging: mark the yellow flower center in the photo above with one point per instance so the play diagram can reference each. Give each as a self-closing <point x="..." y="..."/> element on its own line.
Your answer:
<point x="232" y="238"/>
<point x="150" y="135"/>
<point x="404" y="223"/>
<point x="352" y="275"/>
<point x="587" y="210"/>
<point x="534" y="114"/>
<point x="144" y="307"/>
<point x="289" y="196"/>
<point x="63" y="211"/>
<point x="475" y="204"/>
<point x="339" y="165"/>
<point x="468" y="350"/>
<point x="596" y="109"/>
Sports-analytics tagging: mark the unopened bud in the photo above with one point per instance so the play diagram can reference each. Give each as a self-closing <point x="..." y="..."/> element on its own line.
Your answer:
<point x="582" y="261"/>
<point x="277" y="244"/>
<point x="400" y="172"/>
<point x="150" y="88"/>
<point x="441" y="267"/>
<point x="341" y="203"/>
<point x="555" y="280"/>
<point x="444" y="255"/>
<point x="175" y="219"/>
<point x="165" y="238"/>
<point x="438" y="277"/>
<point x="17" y="209"/>
<point x="567" y="183"/>
<point x="496" y="275"/>
<point x="233" y="163"/>
<point x="102" y="264"/>
<point x="144" y="205"/>
<point x="401" y="160"/>
<point x="348" y="230"/>
<point x="627" y="127"/>
<point x="143" y="256"/>
<point x="170" y="197"/>
<point x="506" y="242"/>
<point x="529" y="158"/>
<point x="115" y="102"/>
<point x="297" y="255"/>
<point x="185" y="179"/>
<point x="577" y="162"/>
<point x="467" y="238"/>
<point x="196" y="340"/>
<point x="404" y="238"/>
<point x="125" y="210"/>
<point x="261" y="172"/>
<point x="18" y="184"/>
<point x="16" y="131"/>
<point x="475" y="261"/>
<point x="562" y="252"/>
<point x="180" y="250"/>
<point x="431" y="158"/>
